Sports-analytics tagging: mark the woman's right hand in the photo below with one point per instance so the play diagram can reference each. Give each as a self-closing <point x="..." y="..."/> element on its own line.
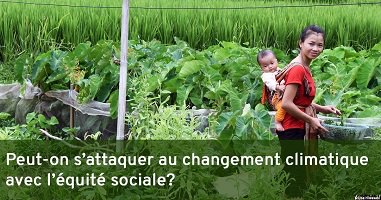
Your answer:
<point x="316" y="125"/>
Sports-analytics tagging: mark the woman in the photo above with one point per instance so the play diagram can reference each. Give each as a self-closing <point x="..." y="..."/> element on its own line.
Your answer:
<point x="300" y="121"/>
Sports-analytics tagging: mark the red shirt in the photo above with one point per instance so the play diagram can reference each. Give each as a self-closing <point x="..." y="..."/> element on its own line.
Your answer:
<point x="296" y="76"/>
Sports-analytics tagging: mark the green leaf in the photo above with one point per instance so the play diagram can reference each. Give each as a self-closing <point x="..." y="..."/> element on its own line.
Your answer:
<point x="223" y="121"/>
<point x="350" y="94"/>
<point x="30" y="116"/>
<point x="113" y="100"/>
<point x="261" y="116"/>
<point x="41" y="119"/>
<point x="190" y="67"/>
<point x="230" y="45"/>
<point x="241" y="127"/>
<point x="353" y="74"/>
<point x="20" y="64"/>
<point x="89" y="88"/>
<point x="369" y="100"/>
<point x="319" y="94"/>
<point x="366" y="72"/>
<point x="58" y="86"/>
<point x="377" y="47"/>
<point x="333" y="100"/>
<point x="221" y="55"/>
<point x="53" y="121"/>
<point x="39" y="68"/>
<point x="236" y="71"/>
<point x="210" y="95"/>
<point x="182" y="94"/>
<point x="374" y="111"/>
<point x="58" y="75"/>
<point x="56" y="59"/>
<point x="235" y="102"/>
<point x="153" y="83"/>
<point x="350" y="52"/>
<point x="196" y="101"/>
<point x="211" y="74"/>
<point x="177" y="54"/>
<point x="226" y="135"/>
<point x="81" y="51"/>
<point x="348" y="110"/>
<point x="338" y="52"/>
<point x="172" y="84"/>
<point x="4" y="116"/>
<point x="104" y="64"/>
<point x="108" y="82"/>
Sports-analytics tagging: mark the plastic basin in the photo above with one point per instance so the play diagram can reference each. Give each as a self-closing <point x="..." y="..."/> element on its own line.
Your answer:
<point x="348" y="132"/>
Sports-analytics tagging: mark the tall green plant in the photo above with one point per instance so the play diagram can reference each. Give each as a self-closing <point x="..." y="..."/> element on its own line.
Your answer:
<point x="38" y="28"/>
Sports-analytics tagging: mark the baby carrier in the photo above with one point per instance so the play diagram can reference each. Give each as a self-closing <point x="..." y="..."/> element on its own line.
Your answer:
<point x="274" y="97"/>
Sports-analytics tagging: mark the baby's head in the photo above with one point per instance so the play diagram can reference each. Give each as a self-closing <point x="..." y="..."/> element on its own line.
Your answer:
<point x="267" y="60"/>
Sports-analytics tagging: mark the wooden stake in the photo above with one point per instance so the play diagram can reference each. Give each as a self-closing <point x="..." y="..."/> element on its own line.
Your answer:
<point x="71" y="108"/>
<point x="123" y="71"/>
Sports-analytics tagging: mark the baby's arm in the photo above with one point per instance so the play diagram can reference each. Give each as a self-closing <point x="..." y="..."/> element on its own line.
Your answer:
<point x="269" y="80"/>
<point x="280" y="87"/>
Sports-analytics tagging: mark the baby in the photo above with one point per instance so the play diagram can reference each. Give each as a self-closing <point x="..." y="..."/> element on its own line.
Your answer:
<point x="269" y="65"/>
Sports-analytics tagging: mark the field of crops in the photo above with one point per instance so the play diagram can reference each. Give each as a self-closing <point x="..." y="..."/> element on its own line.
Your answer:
<point x="223" y="77"/>
<point x="37" y="28"/>
<point x="50" y="48"/>
<point x="184" y="58"/>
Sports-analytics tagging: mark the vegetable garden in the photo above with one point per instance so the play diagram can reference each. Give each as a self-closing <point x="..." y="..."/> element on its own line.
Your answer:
<point x="182" y="62"/>
<point x="221" y="77"/>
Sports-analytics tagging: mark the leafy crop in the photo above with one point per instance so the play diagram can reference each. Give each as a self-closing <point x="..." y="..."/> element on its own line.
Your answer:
<point x="350" y="80"/>
<point x="30" y="130"/>
<point x="223" y="77"/>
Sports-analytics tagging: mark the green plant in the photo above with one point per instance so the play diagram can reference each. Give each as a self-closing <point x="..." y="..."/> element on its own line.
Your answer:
<point x="164" y="123"/>
<point x="5" y="119"/>
<point x="37" y="29"/>
<point x="31" y="130"/>
<point x="70" y="132"/>
<point x="377" y="133"/>
<point x="339" y="182"/>
<point x="245" y="124"/>
<point x="348" y="79"/>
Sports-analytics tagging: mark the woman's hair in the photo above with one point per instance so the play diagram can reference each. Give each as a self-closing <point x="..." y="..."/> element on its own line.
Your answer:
<point x="264" y="53"/>
<point x="309" y="30"/>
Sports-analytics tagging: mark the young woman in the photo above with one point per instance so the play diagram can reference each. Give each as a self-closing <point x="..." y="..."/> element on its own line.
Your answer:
<point x="299" y="93"/>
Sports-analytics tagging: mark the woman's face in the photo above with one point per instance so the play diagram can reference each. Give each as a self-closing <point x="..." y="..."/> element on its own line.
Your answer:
<point x="312" y="46"/>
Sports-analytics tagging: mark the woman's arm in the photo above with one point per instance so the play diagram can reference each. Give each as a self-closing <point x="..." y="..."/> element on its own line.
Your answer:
<point x="326" y="109"/>
<point x="293" y="110"/>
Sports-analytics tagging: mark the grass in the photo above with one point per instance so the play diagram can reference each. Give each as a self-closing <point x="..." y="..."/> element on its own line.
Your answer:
<point x="6" y="75"/>
<point x="35" y="28"/>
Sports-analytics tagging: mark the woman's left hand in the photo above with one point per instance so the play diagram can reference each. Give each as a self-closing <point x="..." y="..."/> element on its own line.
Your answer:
<point x="330" y="109"/>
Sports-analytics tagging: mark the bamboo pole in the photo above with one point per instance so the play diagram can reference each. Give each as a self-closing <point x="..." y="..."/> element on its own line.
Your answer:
<point x="123" y="71"/>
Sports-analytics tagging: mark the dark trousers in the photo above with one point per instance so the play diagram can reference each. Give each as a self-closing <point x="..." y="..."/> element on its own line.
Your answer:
<point x="291" y="143"/>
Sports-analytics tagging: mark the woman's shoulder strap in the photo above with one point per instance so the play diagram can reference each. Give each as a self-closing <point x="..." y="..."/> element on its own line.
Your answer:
<point x="285" y="70"/>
